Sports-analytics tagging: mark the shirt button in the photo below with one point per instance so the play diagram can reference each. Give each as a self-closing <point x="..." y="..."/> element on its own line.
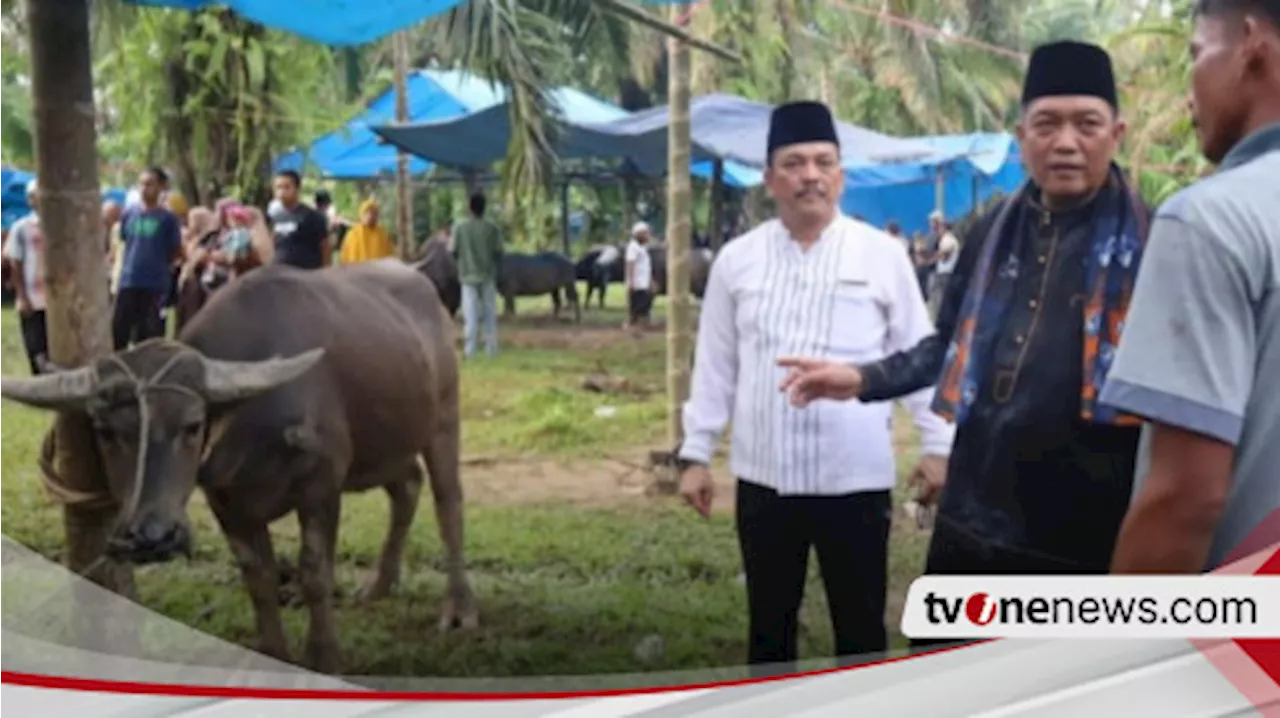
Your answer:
<point x="1033" y="303"/>
<point x="1017" y="339"/>
<point x="1041" y="259"/>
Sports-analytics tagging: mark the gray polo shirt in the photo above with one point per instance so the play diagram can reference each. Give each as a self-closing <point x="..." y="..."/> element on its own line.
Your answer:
<point x="1201" y="345"/>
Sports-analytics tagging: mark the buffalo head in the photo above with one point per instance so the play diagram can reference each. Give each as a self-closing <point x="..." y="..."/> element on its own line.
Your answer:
<point x="150" y="408"/>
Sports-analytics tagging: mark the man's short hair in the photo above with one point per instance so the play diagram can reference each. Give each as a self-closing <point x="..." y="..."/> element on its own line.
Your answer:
<point x="1268" y="8"/>
<point x="478" y="204"/>
<point x="159" y="173"/>
<point x="323" y="198"/>
<point x="297" y="179"/>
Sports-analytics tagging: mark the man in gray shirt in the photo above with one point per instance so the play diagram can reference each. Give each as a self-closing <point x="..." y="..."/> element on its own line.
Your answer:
<point x="1200" y="355"/>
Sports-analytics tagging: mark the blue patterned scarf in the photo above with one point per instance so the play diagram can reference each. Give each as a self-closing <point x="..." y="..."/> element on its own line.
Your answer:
<point x="1119" y="234"/>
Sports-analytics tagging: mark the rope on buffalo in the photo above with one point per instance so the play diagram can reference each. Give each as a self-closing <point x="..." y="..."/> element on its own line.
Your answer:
<point x="57" y="487"/>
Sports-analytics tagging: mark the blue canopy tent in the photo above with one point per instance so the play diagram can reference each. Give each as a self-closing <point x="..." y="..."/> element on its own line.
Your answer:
<point x="724" y="127"/>
<point x="971" y="168"/>
<point x="354" y="151"/>
<point x="333" y="22"/>
<point x="13" y="200"/>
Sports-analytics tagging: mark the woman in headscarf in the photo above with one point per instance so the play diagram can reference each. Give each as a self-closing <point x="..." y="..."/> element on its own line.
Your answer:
<point x="200" y="238"/>
<point x="367" y="241"/>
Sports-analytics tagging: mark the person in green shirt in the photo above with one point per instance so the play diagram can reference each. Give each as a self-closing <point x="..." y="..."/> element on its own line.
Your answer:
<point x="477" y="248"/>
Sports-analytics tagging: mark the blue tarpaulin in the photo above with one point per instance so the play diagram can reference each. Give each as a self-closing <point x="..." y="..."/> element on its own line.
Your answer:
<point x="723" y="126"/>
<point x="13" y="194"/>
<point x="973" y="168"/>
<point x="333" y="22"/>
<point x="354" y="152"/>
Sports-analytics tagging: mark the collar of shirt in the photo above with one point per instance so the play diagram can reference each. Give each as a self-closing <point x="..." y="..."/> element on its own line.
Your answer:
<point x="1258" y="143"/>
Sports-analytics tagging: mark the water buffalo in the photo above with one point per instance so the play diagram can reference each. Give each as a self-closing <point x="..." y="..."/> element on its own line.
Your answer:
<point x="526" y="275"/>
<point x="289" y="388"/>
<point x="437" y="264"/>
<point x="699" y="270"/>
<point x="599" y="274"/>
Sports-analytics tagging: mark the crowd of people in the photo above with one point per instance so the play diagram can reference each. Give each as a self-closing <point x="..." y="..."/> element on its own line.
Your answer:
<point x="164" y="256"/>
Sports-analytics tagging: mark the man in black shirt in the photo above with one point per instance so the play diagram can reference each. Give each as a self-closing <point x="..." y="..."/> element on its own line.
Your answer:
<point x="301" y="234"/>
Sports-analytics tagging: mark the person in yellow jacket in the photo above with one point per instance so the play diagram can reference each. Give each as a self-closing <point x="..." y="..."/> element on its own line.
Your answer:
<point x="367" y="241"/>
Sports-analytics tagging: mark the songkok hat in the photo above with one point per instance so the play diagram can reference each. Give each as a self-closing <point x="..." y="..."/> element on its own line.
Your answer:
<point x="1070" y="68"/>
<point x="797" y="122"/>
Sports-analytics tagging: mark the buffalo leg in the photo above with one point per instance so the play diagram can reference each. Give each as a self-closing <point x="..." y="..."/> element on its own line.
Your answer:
<point x="318" y="520"/>
<point x="446" y="488"/>
<point x="555" y="303"/>
<point x="404" y="493"/>
<point x="251" y="545"/>
<point x="508" y="305"/>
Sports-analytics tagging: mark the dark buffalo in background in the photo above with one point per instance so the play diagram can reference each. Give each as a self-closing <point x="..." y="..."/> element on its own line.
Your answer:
<point x="616" y="271"/>
<point x="699" y="270"/>
<point x="599" y="277"/>
<point x="435" y="261"/>
<point x="531" y="275"/>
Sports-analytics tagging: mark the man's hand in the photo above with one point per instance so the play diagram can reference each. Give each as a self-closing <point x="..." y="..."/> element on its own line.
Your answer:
<point x="929" y="476"/>
<point x="23" y="305"/>
<point x="697" y="488"/>
<point x="811" y="379"/>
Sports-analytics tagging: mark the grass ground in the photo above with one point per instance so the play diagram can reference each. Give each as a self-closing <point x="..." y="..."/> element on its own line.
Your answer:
<point x="573" y="564"/>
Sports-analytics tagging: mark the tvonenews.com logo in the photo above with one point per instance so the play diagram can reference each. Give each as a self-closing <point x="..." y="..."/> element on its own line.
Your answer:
<point x="1093" y="606"/>
<point x="983" y="609"/>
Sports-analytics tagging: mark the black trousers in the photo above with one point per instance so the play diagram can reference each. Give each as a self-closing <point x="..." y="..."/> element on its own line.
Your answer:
<point x="35" y="337"/>
<point x="639" y="303"/>
<point x="954" y="551"/>
<point x="850" y="534"/>
<point x="136" y="317"/>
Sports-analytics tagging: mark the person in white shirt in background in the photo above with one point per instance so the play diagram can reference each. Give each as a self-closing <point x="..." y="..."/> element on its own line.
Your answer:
<point x="814" y="283"/>
<point x="945" y="258"/>
<point x="639" y="277"/>
<point x="25" y="252"/>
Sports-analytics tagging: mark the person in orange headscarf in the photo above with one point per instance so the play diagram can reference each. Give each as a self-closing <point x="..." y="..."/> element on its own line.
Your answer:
<point x="367" y="241"/>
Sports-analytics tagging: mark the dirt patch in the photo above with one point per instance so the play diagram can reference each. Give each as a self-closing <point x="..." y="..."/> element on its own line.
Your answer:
<point x="612" y="481"/>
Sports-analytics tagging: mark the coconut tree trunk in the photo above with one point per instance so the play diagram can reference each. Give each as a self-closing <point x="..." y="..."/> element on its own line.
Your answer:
<point x="679" y="215"/>
<point x="75" y="278"/>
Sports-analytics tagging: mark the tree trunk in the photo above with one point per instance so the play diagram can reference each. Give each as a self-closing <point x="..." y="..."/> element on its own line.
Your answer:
<point x="679" y="213"/>
<point x="75" y="276"/>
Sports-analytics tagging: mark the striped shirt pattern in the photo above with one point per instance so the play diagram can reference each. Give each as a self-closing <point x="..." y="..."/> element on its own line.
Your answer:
<point x="852" y="296"/>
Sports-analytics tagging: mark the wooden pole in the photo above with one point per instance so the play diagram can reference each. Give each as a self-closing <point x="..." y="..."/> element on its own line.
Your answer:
<point x="77" y="306"/>
<point x="564" y="216"/>
<point x="404" y="195"/>
<point x="679" y="210"/>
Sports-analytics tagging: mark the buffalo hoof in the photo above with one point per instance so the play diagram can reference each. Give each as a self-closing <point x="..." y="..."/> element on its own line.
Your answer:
<point x="450" y="620"/>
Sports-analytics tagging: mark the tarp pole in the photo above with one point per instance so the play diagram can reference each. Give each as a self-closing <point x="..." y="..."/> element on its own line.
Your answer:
<point x="716" y="221"/>
<point x="940" y="191"/>
<point x="628" y="207"/>
<point x="564" y="216"/>
<point x="404" y="197"/>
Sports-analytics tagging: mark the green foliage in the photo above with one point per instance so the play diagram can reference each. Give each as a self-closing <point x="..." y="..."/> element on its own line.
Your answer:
<point x="220" y="96"/>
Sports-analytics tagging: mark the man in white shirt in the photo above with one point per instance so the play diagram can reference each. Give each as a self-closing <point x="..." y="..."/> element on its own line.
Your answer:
<point x="639" y="276"/>
<point x="25" y="252"/>
<point x="812" y="281"/>
<point x="945" y="258"/>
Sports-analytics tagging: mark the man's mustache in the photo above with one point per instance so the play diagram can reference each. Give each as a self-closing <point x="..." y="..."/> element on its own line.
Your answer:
<point x="812" y="189"/>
